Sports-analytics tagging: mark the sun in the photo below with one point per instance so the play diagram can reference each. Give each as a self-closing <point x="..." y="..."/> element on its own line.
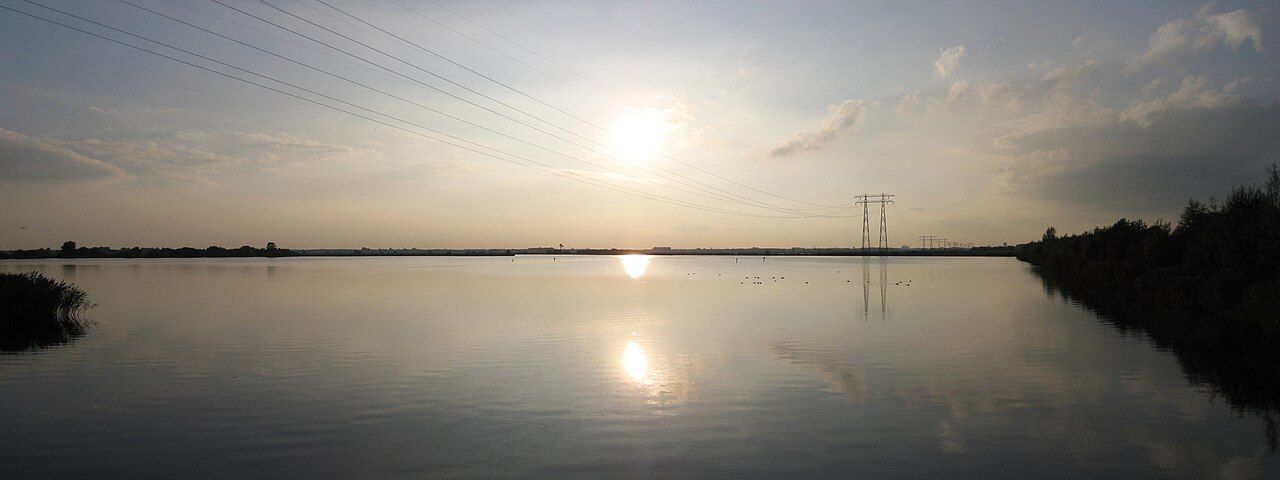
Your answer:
<point x="640" y="133"/>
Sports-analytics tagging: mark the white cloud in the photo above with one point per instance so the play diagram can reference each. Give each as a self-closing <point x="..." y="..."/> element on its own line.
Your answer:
<point x="1065" y="76"/>
<point x="956" y="93"/>
<point x="1152" y="87"/>
<point x="1231" y="28"/>
<point x="959" y="91"/>
<point x="1165" y="42"/>
<point x="1034" y="167"/>
<point x="842" y="120"/>
<point x="949" y="61"/>
<point x="909" y="102"/>
<point x="38" y="160"/>
<point x="999" y="94"/>
<point x="1202" y="33"/>
<point x="1194" y="92"/>
<point x="1061" y="112"/>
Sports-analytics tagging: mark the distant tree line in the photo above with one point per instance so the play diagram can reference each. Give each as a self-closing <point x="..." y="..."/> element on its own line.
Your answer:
<point x="71" y="250"/>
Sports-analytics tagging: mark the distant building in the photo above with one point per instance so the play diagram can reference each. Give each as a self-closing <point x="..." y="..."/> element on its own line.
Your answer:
<point x="905" y="248"/>
<point x="661" y="249"/>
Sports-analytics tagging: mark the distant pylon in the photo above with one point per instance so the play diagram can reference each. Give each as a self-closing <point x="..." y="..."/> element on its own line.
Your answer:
<point x="866" y="227"/>
<point x="884" y="229"/>
<point x="883" y="239"/>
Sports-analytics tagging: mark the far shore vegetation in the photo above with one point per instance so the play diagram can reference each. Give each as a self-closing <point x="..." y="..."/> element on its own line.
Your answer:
<point x="71" y="250"/>
<point x="1208" y="287"/>
<point x="38" y="311"/>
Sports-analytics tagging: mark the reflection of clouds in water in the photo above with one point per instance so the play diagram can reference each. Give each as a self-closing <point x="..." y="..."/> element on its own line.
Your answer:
<point x="1049" y="404"/>
<point x="842" y="377"/>
<point x="949" y="438"/>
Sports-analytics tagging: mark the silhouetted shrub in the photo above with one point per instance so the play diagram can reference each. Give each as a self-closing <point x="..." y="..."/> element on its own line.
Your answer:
<point x="37" y="311"/>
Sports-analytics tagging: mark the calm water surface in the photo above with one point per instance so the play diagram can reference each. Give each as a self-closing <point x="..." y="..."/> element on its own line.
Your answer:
<point x="601" y="366"/>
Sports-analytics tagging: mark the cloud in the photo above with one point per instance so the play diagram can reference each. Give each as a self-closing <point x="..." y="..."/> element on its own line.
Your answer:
<point x="1231" y="28"/>
<point x="28" y="159"/>
<point x="948" y="61"/>
<point x="1064" y="76"/>
<point x="909" y="102"/>
<point x="1189" y="151"/>
<point x="999" y="94"/>
<point x="1194" y="92"/>
<point x="958" y="92"/>
<point x="842" y="120"/>
<point x="1202" y="33"/>
<point x="1060" y="112"/>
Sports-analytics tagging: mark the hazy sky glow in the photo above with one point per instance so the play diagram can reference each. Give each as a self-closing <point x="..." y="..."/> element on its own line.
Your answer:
<point x="988" y="122"/>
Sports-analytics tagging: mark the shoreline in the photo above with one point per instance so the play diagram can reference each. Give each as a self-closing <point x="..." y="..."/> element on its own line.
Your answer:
<point x="502" y="252"/>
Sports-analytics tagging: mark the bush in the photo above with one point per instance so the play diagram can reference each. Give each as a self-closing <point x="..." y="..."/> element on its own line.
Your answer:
<point x="37" y="311"/>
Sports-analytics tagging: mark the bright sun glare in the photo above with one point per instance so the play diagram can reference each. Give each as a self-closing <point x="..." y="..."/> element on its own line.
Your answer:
<point x="634" y="265"/>
<point x="639" y="133"/>
<point x="634" y="361"/>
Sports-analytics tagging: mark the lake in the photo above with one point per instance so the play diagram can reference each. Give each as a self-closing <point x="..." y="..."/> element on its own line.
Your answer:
<point x="595" y="366"/>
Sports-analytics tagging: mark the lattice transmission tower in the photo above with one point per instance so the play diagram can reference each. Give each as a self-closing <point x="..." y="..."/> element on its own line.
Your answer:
<point x="883" y="199"/>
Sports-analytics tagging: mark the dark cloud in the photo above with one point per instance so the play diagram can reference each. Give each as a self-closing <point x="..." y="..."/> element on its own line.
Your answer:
<point x="25" y="159"/>
<point x="1126" y="166"/>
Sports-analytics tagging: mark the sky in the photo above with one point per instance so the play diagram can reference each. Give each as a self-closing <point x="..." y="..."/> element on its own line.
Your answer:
<point x="621" y="124"/>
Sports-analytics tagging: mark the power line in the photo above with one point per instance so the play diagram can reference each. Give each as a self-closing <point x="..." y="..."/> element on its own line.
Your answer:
<point x="520" y="160"/>
<point x="521" y="92"/>
<point x="464" y="67"/>
<point x="272" y="35"/>
<point x="397" y="97"/>
<point x="540" y="71"/>
<point x="504" y="54"/>
<point x="527" y="49"/>
<point x="898" y="214"/>
<point x="704" y="186"/>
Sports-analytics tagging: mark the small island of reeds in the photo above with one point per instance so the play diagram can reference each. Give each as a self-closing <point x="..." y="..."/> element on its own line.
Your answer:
<point x="38" y="311"/>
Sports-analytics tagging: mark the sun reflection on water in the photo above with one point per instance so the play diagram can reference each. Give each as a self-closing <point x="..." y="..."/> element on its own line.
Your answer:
<point x="635" y="362"/>
<point x="634" y="265"/>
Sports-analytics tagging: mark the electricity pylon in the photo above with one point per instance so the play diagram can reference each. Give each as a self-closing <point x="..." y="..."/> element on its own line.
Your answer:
<point x="884" y="200"/>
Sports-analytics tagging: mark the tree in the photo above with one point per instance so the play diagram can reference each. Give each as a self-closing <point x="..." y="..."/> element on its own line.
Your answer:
<point x="271" y="245"/>
<point x="1273" y="183"/>
<point x="1050" y="235"/>
<point x="69" y="248"/>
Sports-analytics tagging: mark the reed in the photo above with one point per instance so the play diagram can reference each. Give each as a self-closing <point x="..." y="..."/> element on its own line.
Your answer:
<point x="37" y="311"/>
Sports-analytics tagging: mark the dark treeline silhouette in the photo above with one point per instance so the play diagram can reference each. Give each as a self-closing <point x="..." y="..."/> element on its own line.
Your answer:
<point x="37" y="311"/>
<point x="70" y="250"/>
<point x="1208" y="288"/>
